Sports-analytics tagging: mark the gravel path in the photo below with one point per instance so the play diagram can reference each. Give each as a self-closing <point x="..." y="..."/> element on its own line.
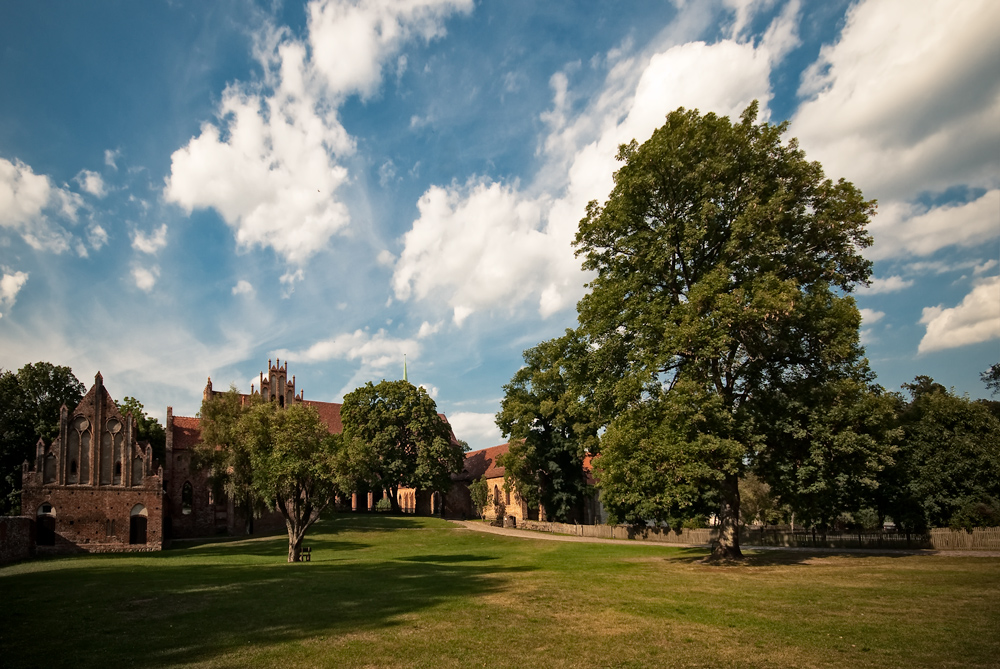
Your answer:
<point x="547" y="536"/>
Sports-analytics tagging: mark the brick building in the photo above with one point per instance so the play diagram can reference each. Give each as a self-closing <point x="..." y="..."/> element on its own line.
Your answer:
<point x="94" y="488"/>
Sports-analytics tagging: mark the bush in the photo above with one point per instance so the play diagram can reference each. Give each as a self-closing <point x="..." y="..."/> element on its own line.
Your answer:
<point x="383" y="505"/>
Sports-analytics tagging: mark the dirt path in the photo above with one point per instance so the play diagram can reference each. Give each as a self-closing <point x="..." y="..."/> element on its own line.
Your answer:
<point x="547" y="536"/>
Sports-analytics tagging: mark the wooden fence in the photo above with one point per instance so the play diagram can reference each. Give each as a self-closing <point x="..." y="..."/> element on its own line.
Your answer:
<point x="938" y="539"/>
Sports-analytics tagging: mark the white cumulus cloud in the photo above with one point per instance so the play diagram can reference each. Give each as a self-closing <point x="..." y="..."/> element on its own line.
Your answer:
<point x="870" y="316"/>
<point x="152" y="242"/>
<point x="902" y="230"/>
<point x="145" y="276"/>
<point x="10" y="285"/>
<point x="484" y="244"/>
<point x="91" y="182"/>
<point x="243" y="287"/>
<point x="478" y="428"/>
<point x="975" y="320"/>
<point x="889" y="284"/>
<point x="377" y="350"/>
<point x="28" y="204"/>
<point x="272" y="163"/>
<point x="907" y="100"/>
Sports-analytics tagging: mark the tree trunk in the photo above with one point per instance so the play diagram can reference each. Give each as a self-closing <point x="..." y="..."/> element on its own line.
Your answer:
<point x="393" y="493"/>
<point x="294" y="547"/>
<point x="727" y="546"/>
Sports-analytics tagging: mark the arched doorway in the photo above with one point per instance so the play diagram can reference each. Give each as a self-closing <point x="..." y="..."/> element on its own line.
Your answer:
<point x="137" y="525"/>
<point x="45" y="525"/>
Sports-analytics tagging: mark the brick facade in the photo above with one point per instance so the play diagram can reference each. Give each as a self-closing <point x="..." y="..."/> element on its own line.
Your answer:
<point x="94" y="488"/>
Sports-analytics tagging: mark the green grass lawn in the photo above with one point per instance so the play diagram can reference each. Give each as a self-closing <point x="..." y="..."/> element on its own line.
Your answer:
<point x="383" y="591"/>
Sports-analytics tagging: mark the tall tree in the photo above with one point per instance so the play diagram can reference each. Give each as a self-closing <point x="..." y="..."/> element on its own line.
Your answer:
<point x="948" y="467"/>
<point x="29" y="411"/>
<point x="406" y="442"/>
<point x="723" y="260"/>
<point x="148" y="429"/>
<point x="226" y="454"/>
<point x="291" y="458"/>
<point x="550" y="427"/>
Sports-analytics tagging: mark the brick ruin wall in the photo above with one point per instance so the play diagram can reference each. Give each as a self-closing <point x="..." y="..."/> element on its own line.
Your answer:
<point x="15" y="538"/>
<point x="82" y="517"/>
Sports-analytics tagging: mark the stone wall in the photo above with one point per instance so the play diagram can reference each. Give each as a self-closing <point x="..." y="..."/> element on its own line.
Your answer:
<point x="16" y="542"/>
<point x="97" y="516"/>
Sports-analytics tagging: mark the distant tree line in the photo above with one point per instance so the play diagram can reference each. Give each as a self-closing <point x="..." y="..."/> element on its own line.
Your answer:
<point x="717" y="356"/>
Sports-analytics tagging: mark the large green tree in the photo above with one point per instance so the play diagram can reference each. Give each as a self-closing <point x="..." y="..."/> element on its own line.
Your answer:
<point x="550" y="427"/>
<point x="723" y="263"/>
<point x="291" y="459"/>
<point x="226" y="454"/>
<point x="29" y="410"/>
<point x="398" y="439"/>
<point x="947" y="472"/>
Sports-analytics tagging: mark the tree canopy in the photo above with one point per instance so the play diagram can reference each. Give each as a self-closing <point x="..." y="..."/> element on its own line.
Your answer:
<point x="266" y="456"/>
<point x="947" y="472"/>
<point x="724" y="261"/>
<point x="395" y="438"/>
<point x="291" y="458"/>
<point x="29" y="411"/>
<point x="148" y="429"/>
<point x="549" y="427"/>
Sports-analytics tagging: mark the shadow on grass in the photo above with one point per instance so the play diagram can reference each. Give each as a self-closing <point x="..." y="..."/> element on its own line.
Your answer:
<point x="156" y="612"/>
<point x="754" y="557"/>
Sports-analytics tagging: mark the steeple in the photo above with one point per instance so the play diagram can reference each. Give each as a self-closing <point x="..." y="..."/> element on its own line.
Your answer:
<point x="404" y="368"/>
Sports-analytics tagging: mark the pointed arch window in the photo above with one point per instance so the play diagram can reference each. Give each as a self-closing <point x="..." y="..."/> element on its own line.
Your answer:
<point x="187" y="498"/>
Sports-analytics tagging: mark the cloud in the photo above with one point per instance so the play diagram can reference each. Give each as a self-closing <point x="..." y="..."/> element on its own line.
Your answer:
<point x="91" y="182"/>
<point x="111" y="158"/>
<point x="145" y="276"/>
<point x="870" y="316"/>
<point x="386" y="173"/>
<point x="377" y="351"/>
<point x="97" y="237"/>
<point x="426" y="329"/>
<point x="243" y="287"/>
<point x="475" y="427"/>
<point x="889" y="284"/>
<point x="385" y="258"/>
<point x="152" y="242"/>
<point x="28" y="203"/>
<point x="975" y="320"/>
<point x="902" y="230"/>
<point x="272" y="163"/>
<point x="10" y="285"/>
<point x="484" y="244"/>
<point x="907" y="100"/>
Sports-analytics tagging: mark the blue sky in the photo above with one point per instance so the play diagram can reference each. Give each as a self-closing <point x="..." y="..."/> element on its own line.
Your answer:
<point x="188" y="189"/>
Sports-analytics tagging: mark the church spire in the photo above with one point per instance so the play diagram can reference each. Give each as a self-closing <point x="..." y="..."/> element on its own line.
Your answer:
<point x="404" y="368"/>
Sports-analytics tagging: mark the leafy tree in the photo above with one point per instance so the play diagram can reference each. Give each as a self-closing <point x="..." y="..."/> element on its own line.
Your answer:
<point x="396" y="438"/>
<point x="991" y="377"/>
<point x="826" y="447"/>
<point x="549" y="427"/>
<point x="29" y="411"/>
<point x="148" y="429"/>
<point x="948" y="468"/>
<point x="291" y="460"/>
<point x="480" y="494"/>
<point x="226" y="454"/>
<point x="722" y="259"/>
<point x="757" y="503"/>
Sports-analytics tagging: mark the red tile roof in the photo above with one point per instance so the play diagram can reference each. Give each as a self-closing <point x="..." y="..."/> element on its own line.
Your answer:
<point x="483" y="463"/>
<point x="187" y="432"/>
<point x="329" y="413"/>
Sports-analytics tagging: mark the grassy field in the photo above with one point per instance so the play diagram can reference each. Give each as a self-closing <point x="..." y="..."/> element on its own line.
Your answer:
<point x="384" y="591"/>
